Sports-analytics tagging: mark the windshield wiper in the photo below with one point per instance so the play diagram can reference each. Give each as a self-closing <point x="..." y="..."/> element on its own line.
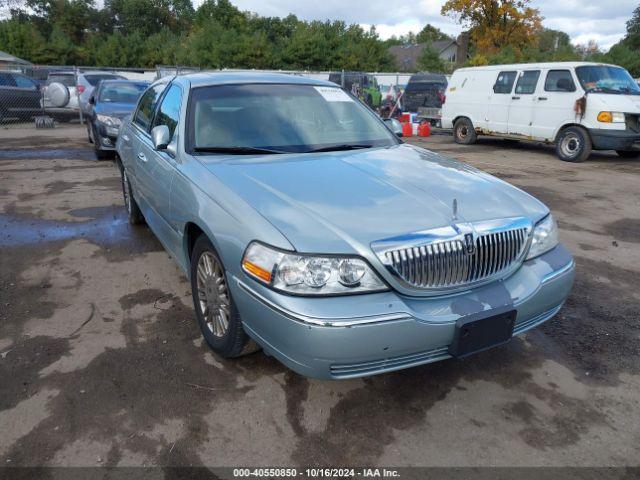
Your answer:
<point x="237" y="150"/>
<point x="336" y="148"/>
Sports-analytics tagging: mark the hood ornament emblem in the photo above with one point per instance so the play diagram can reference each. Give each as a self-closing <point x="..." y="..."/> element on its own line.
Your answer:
<point x="468" y="238"/>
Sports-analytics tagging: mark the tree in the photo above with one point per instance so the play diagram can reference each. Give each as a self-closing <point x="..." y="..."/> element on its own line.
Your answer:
<point x="430" y="60"/>
<point x="494" y="24"/>
<point x="431" y="34"/>
<point x="633" y="30"/>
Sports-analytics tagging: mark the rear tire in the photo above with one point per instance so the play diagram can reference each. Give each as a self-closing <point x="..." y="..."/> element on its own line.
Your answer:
<point x="130" y="204"/>
<point x="628" y="153"/>
<point x="573" y="145"/>
<point x="216" y="312"/>
<point x="463" y="132"/>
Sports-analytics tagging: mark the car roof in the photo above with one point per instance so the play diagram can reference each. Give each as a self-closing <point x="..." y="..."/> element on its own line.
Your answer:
<point x="547" y="65"/>
<point x="205" y="79"/>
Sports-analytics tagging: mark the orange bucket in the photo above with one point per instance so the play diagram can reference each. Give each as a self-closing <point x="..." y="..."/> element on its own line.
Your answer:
<point x="407" y="130"/>
<point x="424" y="129"/>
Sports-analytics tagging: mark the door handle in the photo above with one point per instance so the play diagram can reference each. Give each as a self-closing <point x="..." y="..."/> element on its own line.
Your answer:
<point x="142" y="157"/>
<point x="515" y="98"/>
<point x="542" y="99"/>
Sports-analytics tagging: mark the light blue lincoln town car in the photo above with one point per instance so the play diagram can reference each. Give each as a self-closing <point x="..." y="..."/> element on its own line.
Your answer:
<point x="309" y="229"/>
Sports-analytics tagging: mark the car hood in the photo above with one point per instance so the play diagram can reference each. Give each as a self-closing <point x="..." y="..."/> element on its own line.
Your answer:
<point x="119" y="110"/>
<point x="619" y="103"/>
<point x="340" y="202"/>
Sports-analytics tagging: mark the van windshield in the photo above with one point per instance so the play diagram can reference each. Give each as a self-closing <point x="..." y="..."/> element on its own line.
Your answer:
<point x="607" y="79"/>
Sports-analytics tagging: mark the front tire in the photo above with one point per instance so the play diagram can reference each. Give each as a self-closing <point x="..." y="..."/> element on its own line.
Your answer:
<point x="216" y="311"/>
<point x="628" y="153"/>
<point x="573" y="145"/>
<point x="463" y="132"/>
<point x="130" y="204"/>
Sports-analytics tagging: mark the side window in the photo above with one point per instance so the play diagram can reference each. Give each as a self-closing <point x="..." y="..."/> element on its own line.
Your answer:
<point x="6" y="80"/>
<point x="527" y="82"/>
<point x="24" y="82"/>
<point x="559" y="81"/>
<point x="504" y="82"/>
<point x="146" y="106"/>
<point x="169" y="111"/>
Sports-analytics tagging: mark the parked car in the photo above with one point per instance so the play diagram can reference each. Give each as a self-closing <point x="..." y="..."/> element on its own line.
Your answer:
<point x="424" y="95"/>
<point x="60" y="95"/>
<point x="111" y="102"/>
<point x="68" y="91"/>
<point x="365" y="84"/>
<point x="341" y="251"/>
<point x="20" y="97"/>
<point x="578" y="106"/>
<point x="88" y="81"/>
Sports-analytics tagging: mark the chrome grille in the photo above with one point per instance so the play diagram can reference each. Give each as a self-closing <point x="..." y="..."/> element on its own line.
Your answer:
<point x="445" y="263"/>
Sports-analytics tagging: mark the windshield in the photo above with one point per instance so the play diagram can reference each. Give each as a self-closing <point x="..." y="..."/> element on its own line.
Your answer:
<point x="607" y="79"/>
<point x="68" y="80"/>
<point x="121" y="92"/>
<point x="282" y="118"/>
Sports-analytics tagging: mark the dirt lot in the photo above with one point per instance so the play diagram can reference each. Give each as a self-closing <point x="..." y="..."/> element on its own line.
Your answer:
<point x="101" y="361"/>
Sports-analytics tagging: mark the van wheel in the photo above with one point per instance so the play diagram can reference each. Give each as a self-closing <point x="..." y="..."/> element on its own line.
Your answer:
<point x="573" y="145"/>
<point x="628" y="153"/>
<point x="463" y="132"/>
<point x="216" y="311"/>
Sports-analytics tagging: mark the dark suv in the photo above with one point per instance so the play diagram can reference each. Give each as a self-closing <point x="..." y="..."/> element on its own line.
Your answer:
<point x="20" y="97"/>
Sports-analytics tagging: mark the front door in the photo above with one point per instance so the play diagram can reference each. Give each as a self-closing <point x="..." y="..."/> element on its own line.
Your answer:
<point x="523" y="103"/>
<point x="554" y="103"/>
<point x="157" y="167"/>
<point x="499" y="103"/>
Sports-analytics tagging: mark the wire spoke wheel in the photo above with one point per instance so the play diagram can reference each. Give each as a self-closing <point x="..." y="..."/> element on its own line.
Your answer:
<point x="213" y="295"/>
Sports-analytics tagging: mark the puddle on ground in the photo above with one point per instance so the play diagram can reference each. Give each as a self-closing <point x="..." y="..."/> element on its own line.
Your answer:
<point x="66" y="153"/>
<point x="109" y="229"/>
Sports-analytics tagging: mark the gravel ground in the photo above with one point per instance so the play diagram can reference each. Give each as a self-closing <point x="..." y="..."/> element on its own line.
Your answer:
<point x="101" y="361"/>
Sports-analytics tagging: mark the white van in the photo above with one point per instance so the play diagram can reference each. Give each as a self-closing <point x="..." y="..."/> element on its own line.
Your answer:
<point x="578" y="106"/>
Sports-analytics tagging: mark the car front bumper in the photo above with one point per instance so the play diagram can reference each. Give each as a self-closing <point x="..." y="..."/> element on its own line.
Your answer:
<point x="107" y="136"/>
<point x="359" y="335"/>
<point x="615" y="139"/>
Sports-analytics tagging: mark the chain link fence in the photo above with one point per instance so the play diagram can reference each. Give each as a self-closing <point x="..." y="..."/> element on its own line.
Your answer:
<point x="42" y="96"/>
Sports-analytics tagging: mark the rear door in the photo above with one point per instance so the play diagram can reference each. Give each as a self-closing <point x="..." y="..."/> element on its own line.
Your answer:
<point x="554" y="103"/>
<point x="500" y="102"/>
<point x="522" y="104"/>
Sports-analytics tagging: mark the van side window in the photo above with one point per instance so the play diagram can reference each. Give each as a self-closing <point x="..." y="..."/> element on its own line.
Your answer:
<point x="559" y="81"/>
<point x="504" y="82"/>
<point x="527" y="82"/>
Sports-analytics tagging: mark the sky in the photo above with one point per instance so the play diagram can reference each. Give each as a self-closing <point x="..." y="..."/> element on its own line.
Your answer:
<point x="584" y="20"/>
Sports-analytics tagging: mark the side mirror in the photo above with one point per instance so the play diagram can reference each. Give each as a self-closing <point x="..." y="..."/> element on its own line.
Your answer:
<point x="161" y="137"/>
<point x="394" y="125"/>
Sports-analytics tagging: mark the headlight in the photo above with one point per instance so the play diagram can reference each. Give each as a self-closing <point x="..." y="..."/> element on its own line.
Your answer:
<point x="545" y="237"/>
<point x="109" y="121"/>
<point x="303" y="274"/>
<point x="611" y="117"/>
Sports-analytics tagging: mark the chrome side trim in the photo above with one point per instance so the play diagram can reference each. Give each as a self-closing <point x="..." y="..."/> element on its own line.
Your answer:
<point x="321" y="322"/>
<point x="556" y="273"/>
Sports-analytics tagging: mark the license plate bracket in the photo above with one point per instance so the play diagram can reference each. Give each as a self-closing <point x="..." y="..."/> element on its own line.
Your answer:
<point x="476" y="333"/>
